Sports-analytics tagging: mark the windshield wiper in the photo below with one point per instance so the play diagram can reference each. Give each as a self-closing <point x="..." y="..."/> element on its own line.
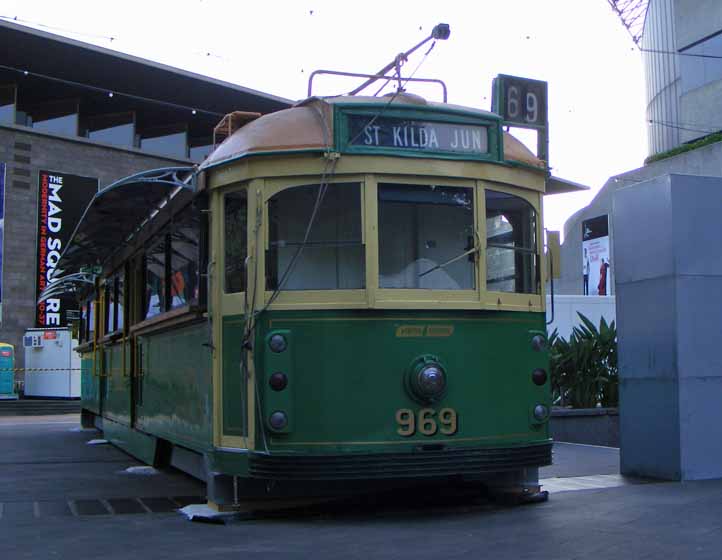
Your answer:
<point x="475" y="249"/>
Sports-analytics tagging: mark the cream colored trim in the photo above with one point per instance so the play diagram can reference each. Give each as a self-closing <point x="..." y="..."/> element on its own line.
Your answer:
<point x="272" y="187"/>
<point x="278" y="166"/>
<point x="233" y="441"/>
<point x="371" y="204"/>
<point x="226" y="304"/>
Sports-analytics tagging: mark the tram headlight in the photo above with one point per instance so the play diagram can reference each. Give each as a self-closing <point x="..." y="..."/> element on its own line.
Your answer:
<point x="541" y="412"/>
<point x="278" y="381"/>
<point x="278" y="420"/>
<point x="431" y="381"/>
<point x="277" y="343"/>
<point x="539" y="376"/>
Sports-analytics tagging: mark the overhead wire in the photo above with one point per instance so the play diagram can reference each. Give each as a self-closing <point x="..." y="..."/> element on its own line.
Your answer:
<point x="110" y="91"/>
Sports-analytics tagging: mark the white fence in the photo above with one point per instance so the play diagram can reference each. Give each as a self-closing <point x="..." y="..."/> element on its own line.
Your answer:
<point x="566" y="308"/>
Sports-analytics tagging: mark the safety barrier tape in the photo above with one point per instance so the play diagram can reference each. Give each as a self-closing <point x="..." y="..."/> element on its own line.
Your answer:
<point x="40" y="369"/>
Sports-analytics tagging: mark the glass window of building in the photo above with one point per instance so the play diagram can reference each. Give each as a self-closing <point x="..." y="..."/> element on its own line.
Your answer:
<point x="184" y="257"/>
<point x="235" y="240"/>
<point x="117" y="129"/>
<point x="58" y="117"/>
<point x="511" y="241"/>
<point x="168" y="141"/>
<point x="424" y="231"/>
<point x="332" y="258"/>
<point x="7" y="104"/>
<point x="155" y="291"/>
<point x="706" y="67"/>
<point x="199" y="148"/>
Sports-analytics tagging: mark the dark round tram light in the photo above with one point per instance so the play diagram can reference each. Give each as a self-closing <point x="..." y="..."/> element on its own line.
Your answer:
<point x="278" y="420"/>
<point x="277" y="343"/>
<point x="539" y="376"/>
<point x="278" y="381"/>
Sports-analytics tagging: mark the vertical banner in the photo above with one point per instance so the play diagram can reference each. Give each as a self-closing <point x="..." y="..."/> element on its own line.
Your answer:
<point x="595" y="257"/>
<point x="62" y="199"/>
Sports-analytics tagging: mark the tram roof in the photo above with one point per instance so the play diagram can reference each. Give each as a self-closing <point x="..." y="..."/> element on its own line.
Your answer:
<point x="309" y="126"/>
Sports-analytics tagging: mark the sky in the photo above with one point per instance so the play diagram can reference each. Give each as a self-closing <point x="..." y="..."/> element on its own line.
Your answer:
<point x="595" y="73"/>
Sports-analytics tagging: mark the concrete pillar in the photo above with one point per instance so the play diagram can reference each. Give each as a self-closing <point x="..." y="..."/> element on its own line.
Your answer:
<point x="668" y="253"/>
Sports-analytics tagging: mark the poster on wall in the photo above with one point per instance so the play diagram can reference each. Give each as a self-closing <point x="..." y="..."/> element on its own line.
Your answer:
<point x="2" y="231"/>
<point x="62" y="199"/>
<point x="595" y="257"/>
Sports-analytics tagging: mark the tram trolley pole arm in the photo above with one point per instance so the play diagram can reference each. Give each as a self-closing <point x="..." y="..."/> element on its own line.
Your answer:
<point x="441" y="32"/>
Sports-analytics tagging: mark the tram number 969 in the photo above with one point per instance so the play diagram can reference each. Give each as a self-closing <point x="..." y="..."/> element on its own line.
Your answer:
<point x="426" y="421"/>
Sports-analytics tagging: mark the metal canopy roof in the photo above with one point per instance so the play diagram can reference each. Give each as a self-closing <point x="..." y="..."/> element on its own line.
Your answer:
<point x="119" y="211"/>
<point x="70" y="284"/>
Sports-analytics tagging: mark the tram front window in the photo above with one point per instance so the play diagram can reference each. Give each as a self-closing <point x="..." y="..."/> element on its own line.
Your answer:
<point x="424" y="231"/>
<point x="332" y="258"/>
<point x="511" y="254"/>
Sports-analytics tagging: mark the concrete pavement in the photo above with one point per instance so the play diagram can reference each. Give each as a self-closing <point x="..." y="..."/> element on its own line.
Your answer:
<point x="49" y="463"/>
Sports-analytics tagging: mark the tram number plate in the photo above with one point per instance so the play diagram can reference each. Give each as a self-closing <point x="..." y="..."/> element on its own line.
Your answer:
<point x="426" y="421"/>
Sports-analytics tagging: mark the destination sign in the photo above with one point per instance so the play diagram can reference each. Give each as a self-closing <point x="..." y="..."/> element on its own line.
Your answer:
<point x="416" y="135"/>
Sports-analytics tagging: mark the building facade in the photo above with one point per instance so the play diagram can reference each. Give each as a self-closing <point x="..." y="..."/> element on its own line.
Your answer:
<point x="682" y="50"/>
<point x="69" y="109"/>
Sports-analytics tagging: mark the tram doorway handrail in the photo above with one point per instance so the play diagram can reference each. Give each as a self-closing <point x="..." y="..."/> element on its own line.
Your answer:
<point x="358" y="75"/>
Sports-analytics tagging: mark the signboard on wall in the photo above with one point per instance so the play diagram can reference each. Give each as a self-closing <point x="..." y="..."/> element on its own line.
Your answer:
<point x="62" y="199"/>
<point x="595" y="257"/>
<point x="2" y="229"/>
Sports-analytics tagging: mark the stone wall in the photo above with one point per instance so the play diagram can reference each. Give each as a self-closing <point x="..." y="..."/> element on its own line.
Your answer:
<point x="25" y="152"/>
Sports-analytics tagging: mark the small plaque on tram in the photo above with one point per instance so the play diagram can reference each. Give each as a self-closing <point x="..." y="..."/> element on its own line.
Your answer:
<point x="417" y="135"/>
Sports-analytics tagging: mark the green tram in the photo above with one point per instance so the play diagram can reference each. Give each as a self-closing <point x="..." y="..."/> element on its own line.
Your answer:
<point x="347" y="294"/>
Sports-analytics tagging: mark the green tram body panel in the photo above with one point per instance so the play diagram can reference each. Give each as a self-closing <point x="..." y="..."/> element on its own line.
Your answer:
<point x="175" y="391"/>
<point x="170" y="397"/>
<point x="347" y="369"/>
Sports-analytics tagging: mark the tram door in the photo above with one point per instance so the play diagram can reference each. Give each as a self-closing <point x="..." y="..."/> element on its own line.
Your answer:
<point x="227" y="297"/>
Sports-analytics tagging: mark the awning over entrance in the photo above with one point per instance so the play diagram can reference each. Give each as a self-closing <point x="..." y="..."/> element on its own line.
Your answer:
<point x="119" y="211"/>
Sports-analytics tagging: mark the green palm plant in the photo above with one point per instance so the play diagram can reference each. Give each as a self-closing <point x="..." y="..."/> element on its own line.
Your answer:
<point x="584" y="371"/>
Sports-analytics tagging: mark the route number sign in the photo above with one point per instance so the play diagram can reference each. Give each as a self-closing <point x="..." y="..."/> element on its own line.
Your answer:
<point x="522" y="102"/>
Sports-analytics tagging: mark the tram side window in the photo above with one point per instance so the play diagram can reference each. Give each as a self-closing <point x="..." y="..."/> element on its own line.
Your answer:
<point x="332" y="258"/>
<point x="184" y="258"/>
<point x="235" y="241"/>
<point x="424" y="231"/>
<point x="83" y="335"/>
<point x="120" y="300"/>
<point x="511" y="241"/>
<point x="87" y="317"/>
<point x="155" y="299"/>
<point x="110" y="301"/>
<point x="114" y="302"/>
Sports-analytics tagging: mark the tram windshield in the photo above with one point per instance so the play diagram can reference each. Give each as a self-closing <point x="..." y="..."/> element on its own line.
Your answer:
<point x="511" y="254"/>
<point x="333" y="256"/>
<point x="424" y="231"/>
